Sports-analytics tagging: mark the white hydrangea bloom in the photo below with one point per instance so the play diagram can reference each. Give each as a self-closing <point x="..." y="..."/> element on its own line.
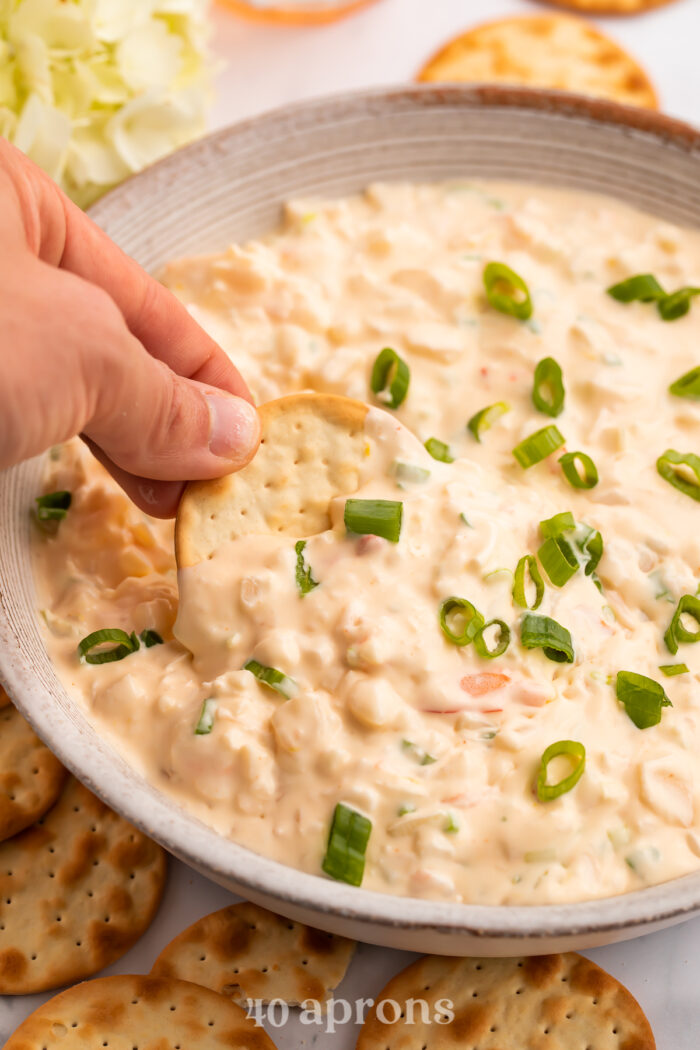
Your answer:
<point x="94" y="90"/>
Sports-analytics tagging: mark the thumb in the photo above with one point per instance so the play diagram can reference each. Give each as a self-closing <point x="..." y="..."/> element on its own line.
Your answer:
<point x="153" y="423"/>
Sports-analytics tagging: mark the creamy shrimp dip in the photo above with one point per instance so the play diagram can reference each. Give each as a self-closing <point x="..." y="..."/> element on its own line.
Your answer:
<point x="551" y="756"/>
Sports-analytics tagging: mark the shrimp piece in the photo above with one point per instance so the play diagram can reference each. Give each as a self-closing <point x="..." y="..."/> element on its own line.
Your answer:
<point x="486" y="682"/>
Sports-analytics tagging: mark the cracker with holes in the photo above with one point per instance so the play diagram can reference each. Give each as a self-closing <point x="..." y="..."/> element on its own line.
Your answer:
<point x="77" y="890"/>
<point x="139" y="1013"/>
<point x="245" y="952"/>
<point x="611" y="7"/>
<point x="311" y="450"/>
<point x="31" y="777"/>
<point x="548" y="51"/>
<point x="557" y="1002"/>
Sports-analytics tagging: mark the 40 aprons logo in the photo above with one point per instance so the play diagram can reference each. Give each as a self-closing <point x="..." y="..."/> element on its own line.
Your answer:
<point x="338" y="1012"/>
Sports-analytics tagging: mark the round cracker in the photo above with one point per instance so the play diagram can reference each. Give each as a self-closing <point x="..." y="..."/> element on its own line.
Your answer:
<point x="561" y="1002"/>
<point x="547" y="51"/>
<point x="246" y="952"/>
<point x="138" y="1012"/>
<point x="311" y="450"/>
<point x="31" y="777"/>
<point x="77" y="890"/>
<point x="610" y="7"/>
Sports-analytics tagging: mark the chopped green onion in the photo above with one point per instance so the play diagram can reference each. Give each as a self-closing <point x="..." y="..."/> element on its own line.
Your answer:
<point x="676" y="633"/>
<point x="347" y="844"/>
<point x="390" y="378"/>
<point x="538" y="446"/>
<point x="406" y="807"/>
<point x="439" y="450"/>
<point x="506" y="291"/>
<point x="465" y="520"/>
<point x="527" y="564"/>
<point x="150" y="638"/>
<point x="485" y="419"/>
<point x="557" y="525"/>
<point x="591" y="549"/>
<point x="501" y="644"/>
<point x="541" y="632"/>
<point x="53" y="506"/>
<point x="408" y="473"/>
<point x="642" y="697"/>
<point x="558" y="560"/>
<point x="548" y="387"/>
<point x="304" y="576"/>
<point x="375" y="517"/>
<point x="671" y="670"/>
<point x="450" y="827"/>
<point x="677" y="304"/>
<point x="688" y="385"/>
<point x="572" y="749"/>
<point x="467" y="621"/>
<point x="205" y="723"/>
<point x="272" y="678"/>
<point x="124" y="645"/>
<point x="675" y="468"/>
<point x="588" y="478"/>
<point x="420" y="754"/>
<point x="643" y="288"/>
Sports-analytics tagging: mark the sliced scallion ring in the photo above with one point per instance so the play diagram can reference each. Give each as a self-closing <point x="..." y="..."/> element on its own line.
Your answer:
<point x="304" y="576"/>
<point x="585" y="477"/>
<point x="123" y="645"/>
<point x="507" y="291"/>
<point x="150" y="638"/>
<point x="677" y="304"/>
<point x="688" y="385"/>
<point x="682" y="470"/>
<point x="53" y="506"/>
<point x="421" y="756"/>
<point x="557" y="525"/>
<point x="390" y="378"/>
<point x="205" y="723"/>
<point x="527" y="564"/>
<point x="460" y="621"/>
<point x="347" y="845"/>
<point x="273" y="679"/>
<point x="558" y="559"/>
<point x="541" y="632"/>
<point x="548" y="387"/>
<point x="484" y="419"/>
<point x="374" y="517"/>
<point x="439" y="450"/>
<point x="643" y="288"/>
<point x="642" y="698"/>
<point x="502" y="640"/>
<point x="573" y="750"/>
<point x="538" y="446"/>
<point x="671" y="670"/>
<point x="408" y="473"/>
<point x="676" y="634"/>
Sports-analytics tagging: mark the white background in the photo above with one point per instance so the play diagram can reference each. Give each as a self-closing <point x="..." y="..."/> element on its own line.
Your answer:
<point x="386" y="44"/>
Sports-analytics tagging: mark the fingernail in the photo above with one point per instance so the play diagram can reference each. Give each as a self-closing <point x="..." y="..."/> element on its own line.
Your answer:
<point x="234" y="430"/>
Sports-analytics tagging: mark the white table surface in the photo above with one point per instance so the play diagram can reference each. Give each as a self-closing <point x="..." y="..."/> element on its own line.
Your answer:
<point x="386" y="44"/>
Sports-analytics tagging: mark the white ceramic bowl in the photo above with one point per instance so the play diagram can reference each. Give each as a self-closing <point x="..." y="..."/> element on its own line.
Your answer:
<point x="228" y="187"/>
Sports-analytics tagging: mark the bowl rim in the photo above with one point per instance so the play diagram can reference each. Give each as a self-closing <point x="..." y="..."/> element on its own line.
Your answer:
<point x="201" y="846"/>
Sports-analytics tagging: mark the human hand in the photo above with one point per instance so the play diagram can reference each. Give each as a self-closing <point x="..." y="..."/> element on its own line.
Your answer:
<point x="92" y="345"/>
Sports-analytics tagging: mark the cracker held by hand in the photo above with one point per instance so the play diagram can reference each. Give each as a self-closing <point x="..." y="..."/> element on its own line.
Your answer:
<point x="148" y="1013"/>
<point x="557" y="1002"/>
<point x="31" y="777"/>
<point x="611" y="7"/>
<point x="547" y="51"/>
<point x="246" y="952"/>
<point x="311" y="450"/>
<point x="77" y="890"/>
